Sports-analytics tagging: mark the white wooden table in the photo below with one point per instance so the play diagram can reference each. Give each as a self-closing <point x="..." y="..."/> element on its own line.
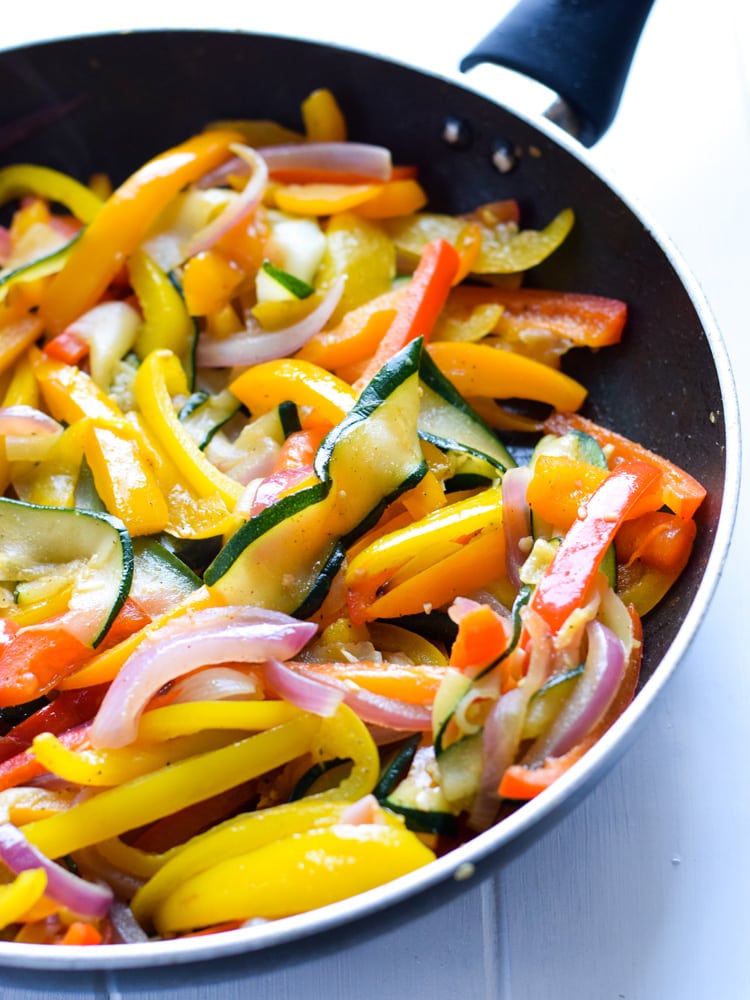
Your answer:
<point x="642" y="892"/>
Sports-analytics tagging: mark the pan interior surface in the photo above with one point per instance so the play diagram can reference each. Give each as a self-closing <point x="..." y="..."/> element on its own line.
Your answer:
<point x="108" y="103"/>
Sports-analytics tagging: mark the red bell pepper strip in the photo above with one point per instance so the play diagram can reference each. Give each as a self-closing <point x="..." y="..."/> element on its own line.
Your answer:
<point x="39" y="656"/>
<point x="584" y="320"/>
<point x="68" y="346"/>
<point x="23" y="767"/>
<point x="680" y="492"/>
<point x="564" y="586"/>
<point x="419" y="306"/>
<point x="68" y="710"/>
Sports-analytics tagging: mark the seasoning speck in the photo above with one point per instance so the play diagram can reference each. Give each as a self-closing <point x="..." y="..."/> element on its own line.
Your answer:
<point x="465" y="870"/>
<point x="457" y="132"/>
<point x="504" y="156"/>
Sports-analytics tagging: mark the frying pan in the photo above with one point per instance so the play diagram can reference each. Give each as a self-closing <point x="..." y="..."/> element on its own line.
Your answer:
<point x="83" y="107"/>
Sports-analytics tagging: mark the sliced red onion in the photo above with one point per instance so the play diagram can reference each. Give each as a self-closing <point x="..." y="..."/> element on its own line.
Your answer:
<point x="216" y="684"/>
<point x="254" y="344"/>
<point x="362" y="812"/>
<point x="500" y="741"/>
<point x="196" y="639"/>
<point x="602" y="674"/>
<point x="374" y="709"/>
<point x="239" y="208"/>
<point x="86" y="899"/>
<point x="307" y="693"/>
<point x="356" y="158"/>
<point x="126" y="927"/>
<point x="516" y="520"/>
<point x="27" y="421"/>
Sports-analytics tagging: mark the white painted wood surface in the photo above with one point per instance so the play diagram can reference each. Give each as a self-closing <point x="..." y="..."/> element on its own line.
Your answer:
<point x="641" y="893"/>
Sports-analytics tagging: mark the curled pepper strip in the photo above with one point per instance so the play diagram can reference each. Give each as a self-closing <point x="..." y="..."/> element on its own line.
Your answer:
<point x="123" y="221"/>
<point x="17" y="898"/>
<point x="171" y="788"/>
<point x="341" y="735"/>
<point x="159" y="376"/>
<point x="26" y="178"/>
<point x="293" y="875"/>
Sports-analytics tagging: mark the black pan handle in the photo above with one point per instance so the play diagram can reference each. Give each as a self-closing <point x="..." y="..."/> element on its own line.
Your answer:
<point x="580" y="49"/>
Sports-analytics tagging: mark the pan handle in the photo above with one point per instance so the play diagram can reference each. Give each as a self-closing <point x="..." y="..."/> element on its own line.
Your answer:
<point x="580" y="49"/>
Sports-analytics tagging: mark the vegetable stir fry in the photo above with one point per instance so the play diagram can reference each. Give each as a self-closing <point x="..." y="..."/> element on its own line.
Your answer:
<point x="282" y="614"/>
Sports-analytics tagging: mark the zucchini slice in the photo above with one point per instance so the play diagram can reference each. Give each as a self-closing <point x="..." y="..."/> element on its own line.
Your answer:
<point x="420" y="800"/>
<point x="88" y="551"/>
<point x="447" y="421"/>
<point x="286" y="557"/>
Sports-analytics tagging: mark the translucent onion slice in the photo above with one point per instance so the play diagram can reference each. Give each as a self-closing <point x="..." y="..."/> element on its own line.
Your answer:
<point x="376" y="710"/>
<point x="593" y="694"/>
<point x="196" y="639"/>
<point x="516" y="520"/>
<point x="253" y="345"/>
<point x="307" y="693"/>
<point x="86" y="899"/>
<point x="27" y="421"/>
<point x="356" y="158"/>
<point x="216" y="684"/>
<point x="239" y="208"/>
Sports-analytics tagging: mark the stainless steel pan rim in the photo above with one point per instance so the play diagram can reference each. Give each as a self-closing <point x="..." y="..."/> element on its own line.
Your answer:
<point x="475" y="859"/>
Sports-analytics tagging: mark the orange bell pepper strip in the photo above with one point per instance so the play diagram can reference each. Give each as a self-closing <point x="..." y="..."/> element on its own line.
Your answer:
<point x="122" y="222"/>
<point x="419" y="306"/>
<point x="356" y="337"/>
<point x="659" y="539"/>
<point x="565" y="584"/>
<point x="298" y="451"/>
<point x="584" y="320"/>
<point x="264" y="386"/>
<point x="558" y="487"/>
<point x="322" y="198"/>
<point x="416" y="684"/>
<point x="680" y="491"/>
<point x="81" y="932"/>
<point x="480" y="370"/>
<point x="18" y="331"/>
<point x="482" y="637"/>
<point x="395" y="198"/>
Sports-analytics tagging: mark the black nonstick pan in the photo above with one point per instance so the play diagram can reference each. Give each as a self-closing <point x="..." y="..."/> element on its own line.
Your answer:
<point x="109" y="102"/>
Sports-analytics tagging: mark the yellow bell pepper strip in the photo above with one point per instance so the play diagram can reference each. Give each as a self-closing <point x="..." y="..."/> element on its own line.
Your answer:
<point x="680" y="491"/>
<point x="21" y="390"/>
<point x="22" y="805"/>
<point x="126" y="483"/>
<point x="294" y="875"/>
<point x="53" y="481"/>
<point x="567" y="580"/>
<point x="479" y="370"/>
<point x="167" y="324"/>
<point x="95" y="768"/>
<point x="341" y="735"/>
<point x="426" y="564"/>
<point x="171" y="788"/>
<point x="159" y="377"/>
<point x="23" y="178"/>
<point x="322" y="117"/>
<point x="262" y="387"/>
<point x="359" y="250"/>
<point x="504" y="250"/>
<point x="419" y="307"/>
<point x="17" y="898"/>
<point x="122" y="223"/>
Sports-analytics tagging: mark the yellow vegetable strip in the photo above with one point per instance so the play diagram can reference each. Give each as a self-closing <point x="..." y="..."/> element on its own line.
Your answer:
<point x="103" y="768"/>
<point x="171" y="788"/>
<point x="159" y="377"/>
<point x="264" y="386"/>
<point x="26" y="178"/>
<point x="294" y="875"/>
<point x="166" y="323"/>
<point x="122" y="223"/>
<point x="17" y="898"/>
<point x="192" y="717"/>
<point x="342" y="735"/>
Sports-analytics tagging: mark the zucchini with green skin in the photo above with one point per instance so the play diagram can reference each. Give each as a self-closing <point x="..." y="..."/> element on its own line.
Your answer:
<point x="447" y="421"/>
<point x="203" y="414"/>
<point x="89" y="551"/>
<point x="287" y="555"/>
<point x="420" y="800"/>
